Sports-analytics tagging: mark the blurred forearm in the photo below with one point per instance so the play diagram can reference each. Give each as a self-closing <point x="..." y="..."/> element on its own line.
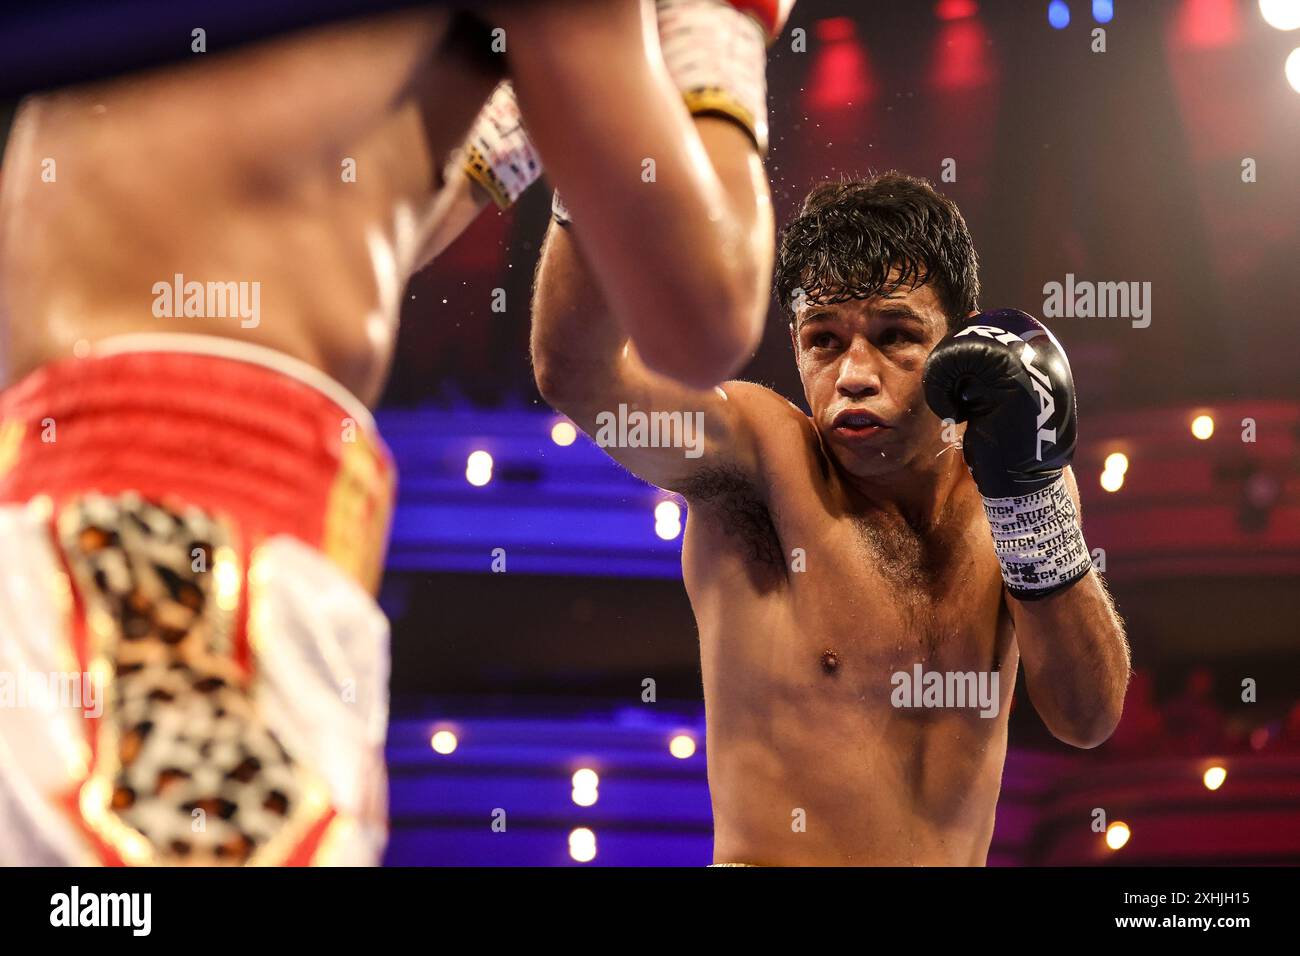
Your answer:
<point x="575" y="336"/>
<point x="574" y="329"/>
<point x="670" y="252"/>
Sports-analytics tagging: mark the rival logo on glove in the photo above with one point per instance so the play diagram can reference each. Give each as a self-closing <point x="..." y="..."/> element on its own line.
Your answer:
<point x="1037" y="378"/>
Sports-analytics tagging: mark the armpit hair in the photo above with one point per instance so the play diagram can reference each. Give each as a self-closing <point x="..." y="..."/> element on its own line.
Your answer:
<point x="744" y="515"/>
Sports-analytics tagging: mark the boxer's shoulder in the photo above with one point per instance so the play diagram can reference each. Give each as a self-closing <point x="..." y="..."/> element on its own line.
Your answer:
<point x="783" y="435"/>
<point x="759" y="423"/>
<point x="766" y="410"/>
<point x="783" y="442"/>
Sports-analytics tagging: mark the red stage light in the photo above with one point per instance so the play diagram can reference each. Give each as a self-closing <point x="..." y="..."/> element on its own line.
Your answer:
<point x="1205" y="24"/>
<point x="961" y="56"/>
<point x="840" y="75"/>
<point x="955" y="9"/>
<point x="836" y="29"/>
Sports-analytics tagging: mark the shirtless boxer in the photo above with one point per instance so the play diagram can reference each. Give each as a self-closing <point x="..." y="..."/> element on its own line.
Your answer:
<point x="827" y="555"/>
<point x="199" y="301"/>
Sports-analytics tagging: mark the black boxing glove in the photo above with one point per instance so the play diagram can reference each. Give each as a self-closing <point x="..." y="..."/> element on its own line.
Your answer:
<point x="1007" y="376"/>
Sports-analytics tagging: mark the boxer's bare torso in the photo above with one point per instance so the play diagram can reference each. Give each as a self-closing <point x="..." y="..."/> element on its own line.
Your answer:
<point x="237" y="167"/>
<point x="809" y="763"/>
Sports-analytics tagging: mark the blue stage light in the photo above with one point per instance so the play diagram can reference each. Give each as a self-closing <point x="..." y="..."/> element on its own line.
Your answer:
<point x="1058" y="14"/>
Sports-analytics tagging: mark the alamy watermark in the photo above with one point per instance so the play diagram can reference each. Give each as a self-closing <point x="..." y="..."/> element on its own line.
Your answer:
<point x="208" y="300"/>
<point x="40" y="689"/>
<point x="946" y="690"/>
<point x="633" y="428"/>
<point x="1083" y="299"/>
<point x="133" y="911"/>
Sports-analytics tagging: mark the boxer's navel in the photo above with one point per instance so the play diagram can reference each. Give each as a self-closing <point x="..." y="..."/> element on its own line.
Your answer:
<point x="830" y="662"/>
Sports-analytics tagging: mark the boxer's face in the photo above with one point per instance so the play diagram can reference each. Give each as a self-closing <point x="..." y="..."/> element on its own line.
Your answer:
<point x="861" y="362"/>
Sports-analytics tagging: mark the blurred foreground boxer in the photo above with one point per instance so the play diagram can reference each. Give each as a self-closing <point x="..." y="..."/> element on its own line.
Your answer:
<point x="862" y="601"/>
<point x="201" y="270"/>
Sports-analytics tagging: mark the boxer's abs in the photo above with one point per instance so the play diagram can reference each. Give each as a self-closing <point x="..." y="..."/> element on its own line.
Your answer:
<point x="276" y="194"/>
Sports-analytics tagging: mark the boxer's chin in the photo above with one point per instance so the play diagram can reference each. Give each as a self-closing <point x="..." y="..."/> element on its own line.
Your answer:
<point x="873" y="459"/>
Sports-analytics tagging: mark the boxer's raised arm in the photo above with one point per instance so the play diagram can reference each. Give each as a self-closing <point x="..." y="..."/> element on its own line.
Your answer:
<point x="682" y="267"/>
<point x="587" y="369"/>
<point x="1007" y="377"/>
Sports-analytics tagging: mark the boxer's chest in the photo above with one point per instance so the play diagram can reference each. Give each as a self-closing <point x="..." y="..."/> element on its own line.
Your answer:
<point x="875" y="599"/>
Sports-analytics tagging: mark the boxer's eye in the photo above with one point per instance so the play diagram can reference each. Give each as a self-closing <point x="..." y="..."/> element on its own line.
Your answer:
<point x="897" y="337"/>
<point x="824" y="340"/>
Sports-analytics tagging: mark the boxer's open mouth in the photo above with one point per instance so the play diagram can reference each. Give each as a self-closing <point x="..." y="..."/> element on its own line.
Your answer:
<point x="858" y="423"/>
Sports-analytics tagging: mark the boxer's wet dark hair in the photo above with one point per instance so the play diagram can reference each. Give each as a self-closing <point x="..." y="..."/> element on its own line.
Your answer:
<point x="850" y="234"/>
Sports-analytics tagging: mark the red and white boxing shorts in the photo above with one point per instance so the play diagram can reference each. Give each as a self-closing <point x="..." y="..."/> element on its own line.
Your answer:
<point x="193" y="669"/>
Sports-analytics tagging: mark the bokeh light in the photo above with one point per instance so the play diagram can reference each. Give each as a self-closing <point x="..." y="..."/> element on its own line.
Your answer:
<point x="563" y="433"/>
<point x="478" y="468"/>
<point x="668" y="519"/>
<point x="582" y="845"/>
<point x="1293" y="69"/>
<point x="1117" y="834"/>
<point x="1280" y="14"/>
<point x="682" y="746"/>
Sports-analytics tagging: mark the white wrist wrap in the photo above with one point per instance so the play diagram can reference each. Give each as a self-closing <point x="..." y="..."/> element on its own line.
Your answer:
<point x="717" y="56"/>
<point x="498" y="153"/>
<point x="1038" y="540"/>
<point x="559" y="211"/>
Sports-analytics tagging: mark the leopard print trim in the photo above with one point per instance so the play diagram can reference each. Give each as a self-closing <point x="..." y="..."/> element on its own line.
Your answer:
<point x="186" y="771"/>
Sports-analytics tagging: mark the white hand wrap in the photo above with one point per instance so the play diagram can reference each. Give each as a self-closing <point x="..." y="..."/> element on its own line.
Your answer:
<point x="717" y="56"/>
<point x="1038" y="540"/>
<point x="559" y="211"/>
<point x="498" y="154"/>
